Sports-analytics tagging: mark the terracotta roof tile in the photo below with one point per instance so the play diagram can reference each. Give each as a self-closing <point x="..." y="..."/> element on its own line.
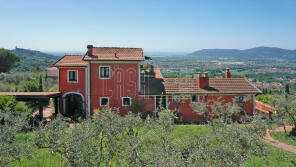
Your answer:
<point x="71" y="61"/>
<point x="216" y="86"/>
<point x="32" y="95"/>
<point x="114" y="53"/>
<point x="29" y="93"/>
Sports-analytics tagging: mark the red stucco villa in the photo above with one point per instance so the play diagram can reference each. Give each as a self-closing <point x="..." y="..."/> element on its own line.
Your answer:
<point x="114" y="77"/>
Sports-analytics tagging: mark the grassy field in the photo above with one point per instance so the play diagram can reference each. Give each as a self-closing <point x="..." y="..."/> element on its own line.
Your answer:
<point x="281" y="136"/>
<point x="275" y="157"/>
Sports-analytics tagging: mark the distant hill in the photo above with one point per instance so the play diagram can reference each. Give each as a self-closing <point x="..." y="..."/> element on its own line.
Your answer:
<point x="253" y="53"/>
<point x="32" y="59"/>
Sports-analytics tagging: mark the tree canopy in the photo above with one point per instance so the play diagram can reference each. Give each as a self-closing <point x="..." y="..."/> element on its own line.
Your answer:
<point x="7" y="60"/>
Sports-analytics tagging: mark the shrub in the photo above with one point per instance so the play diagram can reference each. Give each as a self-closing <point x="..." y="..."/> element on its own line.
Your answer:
<point x="20" y="107"/>
<point x="7" y="102"/>
<point x="30" y="86"/>
<point x="138" y="106"/>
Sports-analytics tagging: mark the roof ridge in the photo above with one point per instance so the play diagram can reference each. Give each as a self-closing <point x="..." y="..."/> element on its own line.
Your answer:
<point x="116" y="48"/>
<point x="227" y="78"/>
<point x="73" y="55"/>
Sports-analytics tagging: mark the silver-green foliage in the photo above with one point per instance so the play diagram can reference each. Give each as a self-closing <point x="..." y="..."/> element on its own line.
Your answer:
<point x="11" y="125"/>
<point x="111" y="140"/>
<point x="285" y="106"/>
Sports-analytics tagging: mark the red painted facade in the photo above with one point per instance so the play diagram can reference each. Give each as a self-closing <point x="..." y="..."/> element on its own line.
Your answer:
<point x="124" y="82"/>
<point x="66" y="86"/>
<point x="189" y="115"/>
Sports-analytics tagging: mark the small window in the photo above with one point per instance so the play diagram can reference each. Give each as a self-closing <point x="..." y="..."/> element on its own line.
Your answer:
<point x="72" y="76"/>
<point x="104" y="72"/>
<point x="241" y="98"/>
<point x="194" y="98"/>
<point x="126" y="101"/>
<point x="104" y="101"/>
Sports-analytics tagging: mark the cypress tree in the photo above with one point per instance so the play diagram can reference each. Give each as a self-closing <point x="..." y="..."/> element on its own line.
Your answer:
<point x="287" y="88"/>
<point x="40" y="84"/>
<point x="46" y="77"/>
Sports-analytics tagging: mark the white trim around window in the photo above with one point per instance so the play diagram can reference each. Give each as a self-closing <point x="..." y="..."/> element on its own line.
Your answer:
<point x="101" y="101"/>
<point x="109" y="72"/>
<point x="122" y="101"/>
<point x="197" y="98"/>
<point x="76" y="71"/>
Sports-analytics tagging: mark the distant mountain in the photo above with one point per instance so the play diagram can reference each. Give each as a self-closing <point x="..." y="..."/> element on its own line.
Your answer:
<point x="60" y="54"/>
<point x="253" y="53"/>
<point x="148" y="53"/>
<point x="32" y="59"/>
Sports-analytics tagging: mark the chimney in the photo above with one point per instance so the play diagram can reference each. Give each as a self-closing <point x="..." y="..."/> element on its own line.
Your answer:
<point x="89" y="49"/>
<point x="227" y="75"/>
<point x="203" y="81"/>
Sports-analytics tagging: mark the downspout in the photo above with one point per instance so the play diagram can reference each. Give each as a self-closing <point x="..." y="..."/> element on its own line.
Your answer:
<point x="155" y="107"/>
<point x="254" y="109"/>
<point x="139" y="78"/>
<point x="88" y="90"/>
<point x="167" y="102"/>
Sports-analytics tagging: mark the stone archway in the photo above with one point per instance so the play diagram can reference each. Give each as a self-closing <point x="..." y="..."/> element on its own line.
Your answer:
<point x="73" y="105"/>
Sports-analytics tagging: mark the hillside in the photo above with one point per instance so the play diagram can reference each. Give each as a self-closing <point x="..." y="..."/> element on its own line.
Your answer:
<point x="32" y="59"/>
<point x="253" y="53"/>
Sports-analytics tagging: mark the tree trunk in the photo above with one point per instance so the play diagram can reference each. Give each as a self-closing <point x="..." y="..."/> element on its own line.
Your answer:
<point x="293" y="131"/>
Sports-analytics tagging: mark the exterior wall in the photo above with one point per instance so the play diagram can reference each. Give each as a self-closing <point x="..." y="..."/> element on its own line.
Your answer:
<point x="124" y="82"/>
<point x="185" y="108"/>
<point x="149" y="104"/>
<point x="65" y="86"/>
<point x="189" y="115"/>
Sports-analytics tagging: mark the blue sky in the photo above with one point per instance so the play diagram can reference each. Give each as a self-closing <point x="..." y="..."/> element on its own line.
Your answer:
<point x="155" y="25"/>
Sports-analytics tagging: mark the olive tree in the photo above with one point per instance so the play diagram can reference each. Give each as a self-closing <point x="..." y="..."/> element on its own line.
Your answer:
<point x="108" y="139"/>
<point x="286" y="110"/>
<point x="11" y="125"/>
<point x="220" y="109"/>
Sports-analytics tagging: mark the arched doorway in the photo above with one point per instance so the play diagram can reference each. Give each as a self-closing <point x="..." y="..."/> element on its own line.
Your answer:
<point x="73" y="105"/>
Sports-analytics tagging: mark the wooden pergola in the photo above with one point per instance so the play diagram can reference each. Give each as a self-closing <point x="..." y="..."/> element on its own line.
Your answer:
<point x="40" y="97"/>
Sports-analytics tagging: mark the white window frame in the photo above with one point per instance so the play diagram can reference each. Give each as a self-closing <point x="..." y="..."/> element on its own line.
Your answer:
<point x="109" y="72"/>
<point x="69" y="76"/>
<point x="101" y="101"/>
<point x="123" y="102"/>
<point x="197" y="97"/>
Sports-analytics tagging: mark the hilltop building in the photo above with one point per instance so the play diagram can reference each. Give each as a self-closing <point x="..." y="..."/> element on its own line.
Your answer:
<point x="119" y="77"/>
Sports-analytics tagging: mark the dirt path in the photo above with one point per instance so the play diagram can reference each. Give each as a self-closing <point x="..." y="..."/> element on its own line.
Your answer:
<point x="277" y="143"/>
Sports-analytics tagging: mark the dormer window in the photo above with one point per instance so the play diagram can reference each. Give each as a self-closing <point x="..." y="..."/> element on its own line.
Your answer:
<point x="73" y="76"/>
<point x="104" y="72"/>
